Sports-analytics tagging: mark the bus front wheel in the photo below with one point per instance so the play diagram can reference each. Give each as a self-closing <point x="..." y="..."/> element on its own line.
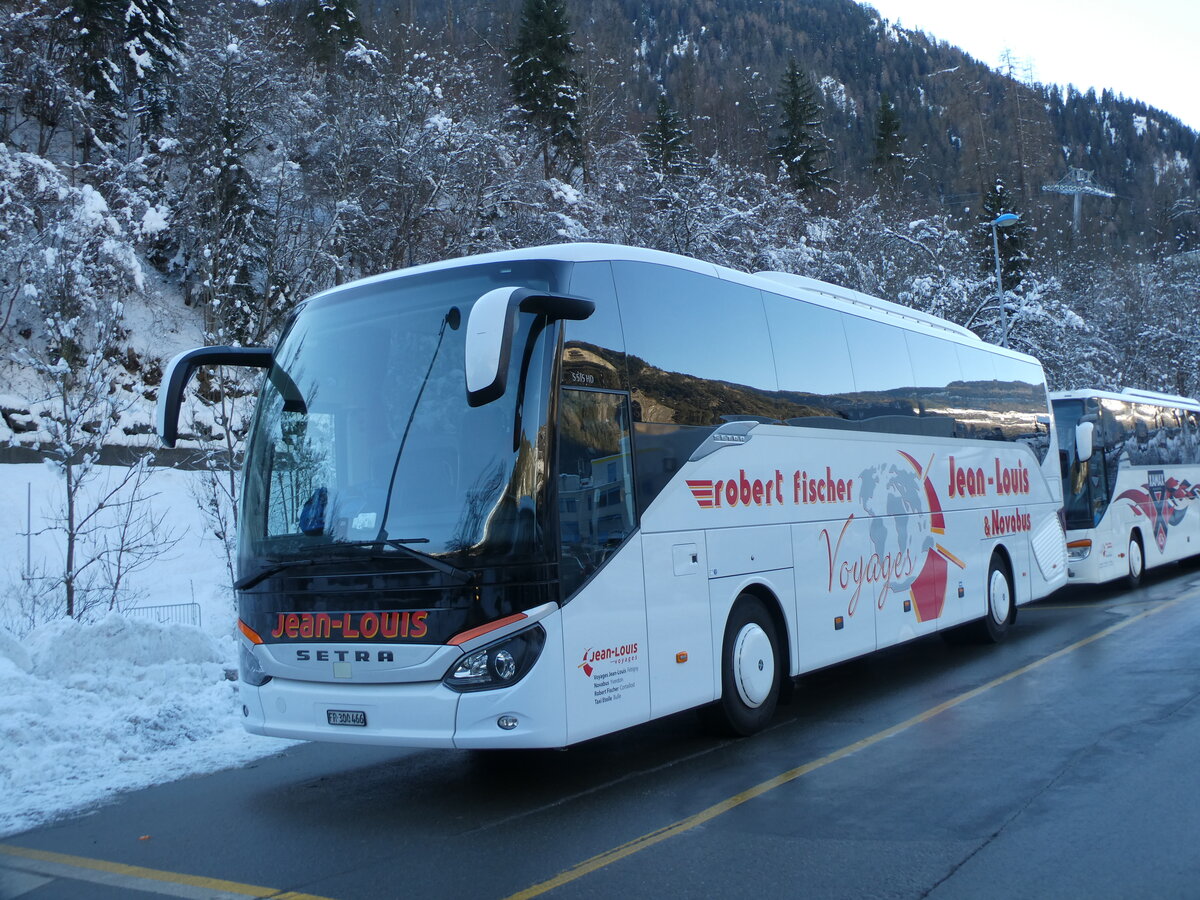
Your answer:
<point x="750" y="670"/>
<point x="1001" y="604"/>
<point x="1137" y="560"/>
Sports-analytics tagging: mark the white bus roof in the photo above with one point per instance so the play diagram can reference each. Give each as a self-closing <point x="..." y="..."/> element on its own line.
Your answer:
<point x="1129" y="395"/>
<point x="798" y="286"/>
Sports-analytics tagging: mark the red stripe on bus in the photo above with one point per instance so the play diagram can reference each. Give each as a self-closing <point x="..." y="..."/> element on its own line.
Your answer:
<point x="471" y="633"/>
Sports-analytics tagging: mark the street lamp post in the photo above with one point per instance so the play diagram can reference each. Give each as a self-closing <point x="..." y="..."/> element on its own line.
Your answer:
<point x="1001" y="221"/>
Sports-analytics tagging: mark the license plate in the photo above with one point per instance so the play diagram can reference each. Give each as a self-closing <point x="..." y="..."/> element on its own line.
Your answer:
<point x="346" y="717"/>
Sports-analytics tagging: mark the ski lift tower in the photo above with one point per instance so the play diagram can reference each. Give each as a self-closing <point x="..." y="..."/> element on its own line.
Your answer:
<point x="1077" y="183"/>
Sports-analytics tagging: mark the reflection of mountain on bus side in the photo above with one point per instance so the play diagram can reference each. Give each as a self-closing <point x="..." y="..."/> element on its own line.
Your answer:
<point x="989" y="410"/>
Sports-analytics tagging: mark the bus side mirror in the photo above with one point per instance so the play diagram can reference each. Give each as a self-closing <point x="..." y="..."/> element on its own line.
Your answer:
<point x="490" y="327"/>
<point x="1084" y="434"/>
<point x="179" y="373"/>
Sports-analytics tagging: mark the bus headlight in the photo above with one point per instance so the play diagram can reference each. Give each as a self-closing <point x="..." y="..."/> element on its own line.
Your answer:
<point x="250" y="670"/>
<point x="497" y="665"/>
<point x="1077" y="551"/>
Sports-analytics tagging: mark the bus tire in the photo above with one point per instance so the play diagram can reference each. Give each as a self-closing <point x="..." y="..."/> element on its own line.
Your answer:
<point x="1001" y="602"/>
<point x="1136" y="559"/>
<point x="750" y="669"/>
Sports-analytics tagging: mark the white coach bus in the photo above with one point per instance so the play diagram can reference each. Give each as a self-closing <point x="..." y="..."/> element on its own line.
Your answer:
<point x="528" y="498"/>
<point x="1131" y="475"/>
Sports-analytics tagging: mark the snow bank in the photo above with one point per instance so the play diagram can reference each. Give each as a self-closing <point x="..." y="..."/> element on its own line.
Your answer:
<point x="87" y="711"/>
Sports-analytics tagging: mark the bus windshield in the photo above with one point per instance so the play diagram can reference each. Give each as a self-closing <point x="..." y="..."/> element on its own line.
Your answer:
<point x="363" y="437"/>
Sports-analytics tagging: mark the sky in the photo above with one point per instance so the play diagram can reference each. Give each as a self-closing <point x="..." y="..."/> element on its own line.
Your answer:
<point x="1145" y="51"/>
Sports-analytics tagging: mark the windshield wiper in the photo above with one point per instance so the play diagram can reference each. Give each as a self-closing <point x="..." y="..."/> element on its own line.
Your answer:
<point x="461" y="575"/>
<point x="401" y="544"/>
<point x="262" y="574"/>
<point x="452" y="318"/>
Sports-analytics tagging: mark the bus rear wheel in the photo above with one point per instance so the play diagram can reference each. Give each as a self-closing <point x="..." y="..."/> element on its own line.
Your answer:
<point x="1136" y="559"/>
<point x="750" y="669"/>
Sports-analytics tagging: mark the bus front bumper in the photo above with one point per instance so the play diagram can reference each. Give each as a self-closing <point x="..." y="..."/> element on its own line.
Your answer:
<point x="424" y="714"/>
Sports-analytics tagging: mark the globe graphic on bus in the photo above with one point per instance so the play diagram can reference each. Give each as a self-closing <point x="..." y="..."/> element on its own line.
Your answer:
<point x="893" y="497"/>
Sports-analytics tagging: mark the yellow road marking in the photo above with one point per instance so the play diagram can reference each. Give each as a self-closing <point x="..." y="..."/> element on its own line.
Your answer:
<point x="177" y="878"/>
<point x="669" y="831"/>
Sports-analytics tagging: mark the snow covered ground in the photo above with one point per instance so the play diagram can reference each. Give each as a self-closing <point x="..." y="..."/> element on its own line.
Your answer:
<point x="89" y="710"/>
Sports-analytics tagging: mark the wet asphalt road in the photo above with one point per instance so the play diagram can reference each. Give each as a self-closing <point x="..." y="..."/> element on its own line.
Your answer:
<point x="1063" y="763"/>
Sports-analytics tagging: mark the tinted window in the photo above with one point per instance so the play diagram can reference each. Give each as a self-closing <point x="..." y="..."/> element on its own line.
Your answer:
<point x="698" y="348"/>
<point x="1022" y="387"/>
<point x="1192" y="427"/>
<point x="878" y="354"/>
<point x="661" y="451"/>
<point x="1115" y="429"/>
<point x="811" y="357"/>
<point x="935" y="370"/>
<point x="1156" y="435"/>
<point x="595" y="482"/>
<point x="594" y="348"/>
<point x="885" y="395"/>
<point x="1172" y="435"/>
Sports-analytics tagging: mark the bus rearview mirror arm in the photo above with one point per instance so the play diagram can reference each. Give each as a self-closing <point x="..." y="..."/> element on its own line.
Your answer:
<point x="490" y="328"/>
<point x="179" y="373"/>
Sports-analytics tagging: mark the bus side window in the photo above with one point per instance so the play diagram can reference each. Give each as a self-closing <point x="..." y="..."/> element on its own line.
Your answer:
<point x="1115" y="437"/>
<point x="594" y="348"/>
<point x="883" y="377"/>
<point x="935" y="368"/>
<point x="698" y="347"/>
<point x="1192" y="426"/>
<point x="812" y="361"/>
<point x="595" y="482"/>
<point x="1023" y="387"/>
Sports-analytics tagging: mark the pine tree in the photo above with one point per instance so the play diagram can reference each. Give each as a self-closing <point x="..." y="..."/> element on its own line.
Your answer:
<point x="126" y="53"/>
<point x="889" y="159"/>
<point x="152" y="43"/>
<point x="94" y="29"/>
<point x="667" y="143"/>
<point x="333" y="27"/>
<point x="544" y="85"/>
<point x="802" y="148"/>
<point x="1012" y="240"/>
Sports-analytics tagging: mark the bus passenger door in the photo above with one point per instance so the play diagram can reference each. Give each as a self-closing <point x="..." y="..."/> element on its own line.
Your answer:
<point x="600" y="566"/>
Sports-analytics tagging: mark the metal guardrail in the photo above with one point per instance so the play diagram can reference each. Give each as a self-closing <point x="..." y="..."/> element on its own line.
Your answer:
<point x="169" y="614"/>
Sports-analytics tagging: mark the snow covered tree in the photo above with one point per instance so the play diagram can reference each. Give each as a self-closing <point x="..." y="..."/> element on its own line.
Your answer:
<point x="801" y="148"/>
<point x="37" y="90"/>
<point x="1012" y="240"/>
<point x="124" y="55"/>
<point x="667" y="143"/>
<point x="544" y="85"/>
<point x="73" y="267"/>
<point x="93" y="28"/>
<point x="332" y="26"/>
<point x="220" y="215"/>
<point x="151" y="45"/>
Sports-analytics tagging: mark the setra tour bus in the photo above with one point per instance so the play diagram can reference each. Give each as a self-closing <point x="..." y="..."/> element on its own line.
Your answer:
<point x="1130" y="465"/>
<point x="527" y="498"/>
